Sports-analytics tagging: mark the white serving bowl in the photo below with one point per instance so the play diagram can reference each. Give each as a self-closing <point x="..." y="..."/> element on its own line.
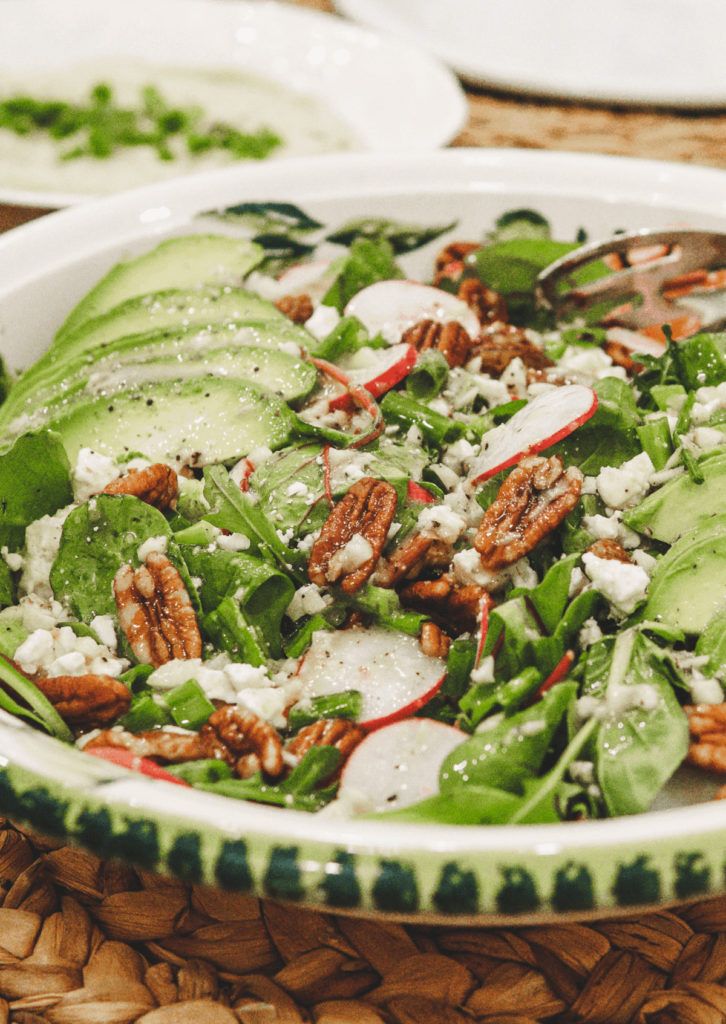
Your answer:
<point x="410" y="871"/>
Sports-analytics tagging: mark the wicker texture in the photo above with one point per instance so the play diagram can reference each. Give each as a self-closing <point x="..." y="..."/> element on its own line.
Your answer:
<point x="84" y="941"/>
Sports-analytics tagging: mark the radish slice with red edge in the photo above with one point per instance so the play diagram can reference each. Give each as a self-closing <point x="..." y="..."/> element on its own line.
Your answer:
<point x="389" y="308"/>
<point x="388" y="368"/>
<point x="548" y="418"/>
<point x="398" y="765"/>
<point x="125" y="759"/>
<point x="416" y="493"/>
<point x="392" y="673"/>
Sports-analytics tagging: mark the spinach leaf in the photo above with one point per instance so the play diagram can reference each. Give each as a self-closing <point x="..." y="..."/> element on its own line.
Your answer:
<point x="642" y="737"/>
<point x="34" y="481"/>
<point x="609" y="437"/>
<point x="98" y="537"/>
<point x="367" y="261"/>
<point x="400" y="236"/>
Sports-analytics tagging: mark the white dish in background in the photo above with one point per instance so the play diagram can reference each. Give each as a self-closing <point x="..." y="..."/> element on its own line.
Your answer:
<point x="660" y="52"/>
<point x="500" y="872"/>
<point x="392" y="95"/>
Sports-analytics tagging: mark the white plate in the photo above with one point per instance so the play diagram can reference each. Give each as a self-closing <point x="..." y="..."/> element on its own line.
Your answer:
<point x="625" y="51"/>
<point x="503" y="872"/>
<point x="393" y="95"/>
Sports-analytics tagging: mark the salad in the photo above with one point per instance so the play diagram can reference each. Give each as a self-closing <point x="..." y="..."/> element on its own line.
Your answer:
<point x="282" y="524"/>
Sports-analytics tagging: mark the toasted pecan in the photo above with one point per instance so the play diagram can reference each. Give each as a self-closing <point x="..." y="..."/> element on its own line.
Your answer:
<point x="533" y="500"/>
<point x="88" y="701"/>
<point x="454" y="606"/>
<point x="340" y="733"/>
<point x="500" y="343"/>
<point x="434" y="641"/>
<point x="156" y="744"/>
<point x="244" y="740"/>
<point x="489" y="306"/>
<point x="298" y="308"/>
<point x="155" y="612"/>
<point x="367" y="509"/>
<point x="157" y="485"/>
<point x="451" y="339"/>
<point x="608" y="548"/>
<point x="449" y="264"/>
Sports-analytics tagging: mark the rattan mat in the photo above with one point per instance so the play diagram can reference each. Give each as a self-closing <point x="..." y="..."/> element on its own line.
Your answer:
<point x="85" y="941"/>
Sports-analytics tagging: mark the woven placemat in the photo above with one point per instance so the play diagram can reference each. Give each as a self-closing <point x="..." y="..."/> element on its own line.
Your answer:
<point x="85" y="941"/>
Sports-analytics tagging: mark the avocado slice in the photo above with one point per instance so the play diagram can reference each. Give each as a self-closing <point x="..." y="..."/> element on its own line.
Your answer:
<point x="680" y="504"/>
<point x="190" y="422"/>
<point x="282" y="374"/>
<point x="688" y="584"/>
<point x="186" y="261"/>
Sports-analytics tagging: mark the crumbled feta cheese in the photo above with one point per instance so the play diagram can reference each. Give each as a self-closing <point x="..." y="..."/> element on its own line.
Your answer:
<point x="590" y="633"/>
<point x="468" y="570"/>
<point x="622" y="584"/>
<point x="307" y="600"/>
<point x="244" y="676"/>
<point x="484" y="672"/>
<point x="590" y="361"/>
<point x="266" y="702"/>
<point x="626" y="485"/>
<point x="58" y="651"/>
<point x="13" y="559"/>
<point x="232" y="542"/>
<point x="350" y="557"/>
<point x="103" y="627"/>
<point x="91" y="473"/>
<point x="611" y="528"/>
<point x="323" y="321"/>
<point x="440" y="522"/>
<point x="150" y="545"/>
<point x="42" y="539"/>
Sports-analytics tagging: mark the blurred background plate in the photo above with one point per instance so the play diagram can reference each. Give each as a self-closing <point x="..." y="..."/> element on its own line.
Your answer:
<point x="655" y="52"/>
<point x="391" y="94"/>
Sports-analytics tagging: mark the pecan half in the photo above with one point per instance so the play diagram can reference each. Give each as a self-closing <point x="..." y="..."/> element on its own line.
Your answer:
<point x="407" y="559"/>
<point x="450" y="261"/>
<point x="367" y="511"/>
<point x="434" y="641"/>
<point x="155" y="612"/>
<point x="501" y="343"/>
<point x="611" y="549"/>
<point x="87" y="701"/>
<point x="622" y="356"/>
<point x="449" y="604"/>
<point x="488" y="305"/>
<point x="246" y="742"/>
<point x="157" y="744"/>
<point x="327" y="732"/>
<point x="297" y="308"/>
<point x="157" y="485"/>
<point x="532" y="501"/>
<point x="707" y="724"/>
<point x="451" y="339"/>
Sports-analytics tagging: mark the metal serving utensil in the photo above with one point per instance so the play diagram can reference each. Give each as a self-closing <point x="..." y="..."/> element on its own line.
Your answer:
<point x="653" y="269"/>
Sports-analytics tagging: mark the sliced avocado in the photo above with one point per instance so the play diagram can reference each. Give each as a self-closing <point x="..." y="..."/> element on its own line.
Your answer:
<point x="48" y="373"/>
<point x="184" y="262"/>
<point x="278" y="372"/>
<point x="680" y="504"/>
<point x="688" y="584"/>
<point x="192" y="422"/>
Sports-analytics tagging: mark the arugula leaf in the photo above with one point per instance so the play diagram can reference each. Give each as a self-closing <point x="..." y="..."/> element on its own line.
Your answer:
<point x="233" y="510"/>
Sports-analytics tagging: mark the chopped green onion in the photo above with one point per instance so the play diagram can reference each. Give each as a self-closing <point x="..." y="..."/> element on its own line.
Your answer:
<point x="189" y="705"/>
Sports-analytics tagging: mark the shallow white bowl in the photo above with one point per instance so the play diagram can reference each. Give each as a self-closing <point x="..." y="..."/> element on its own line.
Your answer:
<point x="409" y="871"/>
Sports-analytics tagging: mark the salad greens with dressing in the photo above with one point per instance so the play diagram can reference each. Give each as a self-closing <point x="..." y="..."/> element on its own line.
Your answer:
<point x="553" y="687"/>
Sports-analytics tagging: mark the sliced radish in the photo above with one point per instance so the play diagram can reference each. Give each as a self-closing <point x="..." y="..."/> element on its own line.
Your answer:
<point x="386" y="368"/>
<point x="398" y="765"/>
<point x="390" y="307"/>
<point x="545" y="420"/>
<point x="416" y="493"/>
<point x="313" y="278"/>
<point x="393" y="675"/>
<point x="125" y="759"/>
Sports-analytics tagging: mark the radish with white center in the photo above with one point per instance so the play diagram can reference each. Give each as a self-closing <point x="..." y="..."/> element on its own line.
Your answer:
<point x="386" y="368"/>
<point x="548" y="418"/>
<point x="393" y="675"/>
<point x="389" y="308"/>
<point x="399" y="765"/>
